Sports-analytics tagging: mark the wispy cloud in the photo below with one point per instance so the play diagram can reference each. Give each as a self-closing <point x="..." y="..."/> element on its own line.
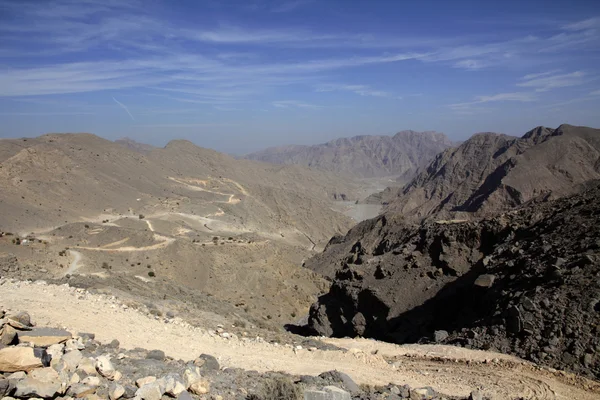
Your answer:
<point x="288" y="6"/>
<point x="590" y="23"/>
<point x="124" y="107"/>
<point x="168" y="111"/>
<point x="221" y="108"/>
<point x="547" y="81"/>
<point x="540" y="74"/>
<point x="294" y="104"/>
<point x="567" y="102"/>
<point x="72" y="47"/>
<point x="362" y="90"/>
<point x="45" y="114"/>
<point x="471" y="64"/>
<point x="518" y="96"/>
<point x="500" y="97"/>
<point x="595" y="93"/>
<point x="236" y="35"/>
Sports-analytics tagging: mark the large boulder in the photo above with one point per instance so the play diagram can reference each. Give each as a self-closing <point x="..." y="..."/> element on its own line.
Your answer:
<point x="21" y="317"/>
<point x="115" y="391"/>
<point x="14" y="359"/>
<point x="343" y="378"/>
<point x="206" y="362"/>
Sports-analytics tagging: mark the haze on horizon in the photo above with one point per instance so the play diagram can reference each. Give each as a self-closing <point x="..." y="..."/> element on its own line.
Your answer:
<point x="239" y="76"/>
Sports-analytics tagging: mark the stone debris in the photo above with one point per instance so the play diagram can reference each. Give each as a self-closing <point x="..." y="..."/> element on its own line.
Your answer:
<point x="72" y="359"/>
<point x="145" y="380"/>
<point x="105" y="367"/>
<point x="115" y="391"/>
<point x="485" y="280"/>
<point x="81" y="368"/>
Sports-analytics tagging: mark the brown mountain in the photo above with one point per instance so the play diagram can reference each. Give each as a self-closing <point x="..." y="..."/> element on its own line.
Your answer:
<point x="363" y="156"/>
<point x="492" y="172"/>
<point x="134" y="145"/>
<point x="56" y="178"/>
<point x="182" y="215"/>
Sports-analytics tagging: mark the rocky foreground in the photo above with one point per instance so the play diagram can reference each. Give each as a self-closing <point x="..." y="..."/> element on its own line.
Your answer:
<point x="51" y="363"/>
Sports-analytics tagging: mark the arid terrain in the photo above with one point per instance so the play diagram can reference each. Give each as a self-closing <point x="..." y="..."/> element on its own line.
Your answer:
<point x="491" y="172"/>
<point x="477" y="279"/>
<point x="183" y="215"/>
<point x="453" y="372"/>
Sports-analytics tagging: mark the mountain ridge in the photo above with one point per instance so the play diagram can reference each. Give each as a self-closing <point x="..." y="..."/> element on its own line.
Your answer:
<point x="363" y="156"/>
<point x="492" y="172"/>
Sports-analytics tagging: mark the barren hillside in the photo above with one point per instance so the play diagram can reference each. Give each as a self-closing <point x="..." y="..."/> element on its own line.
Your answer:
<point x="235" y="229"/>
<point x="492" y="172"/>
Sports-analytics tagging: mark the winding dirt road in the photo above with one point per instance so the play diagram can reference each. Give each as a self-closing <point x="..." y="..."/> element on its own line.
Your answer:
<point x="231" y="197"/>
<point x="164" y="242"/>
<point x="450" y="370"/>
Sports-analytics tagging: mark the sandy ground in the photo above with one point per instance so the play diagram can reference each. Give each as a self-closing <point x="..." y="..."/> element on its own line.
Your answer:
<point x="450" y="370"/>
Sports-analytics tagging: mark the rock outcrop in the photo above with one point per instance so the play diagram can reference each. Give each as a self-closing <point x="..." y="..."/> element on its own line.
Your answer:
<point x="524" y="282"/>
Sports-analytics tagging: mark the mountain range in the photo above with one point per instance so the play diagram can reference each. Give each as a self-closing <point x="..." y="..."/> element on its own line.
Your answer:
<point x="493" y="172"/>
<point x="56" y="178"/>
<point x="363" y="156"/>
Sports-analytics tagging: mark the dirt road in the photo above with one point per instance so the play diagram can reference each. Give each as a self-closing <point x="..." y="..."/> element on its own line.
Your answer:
<point x="450" y="370"/>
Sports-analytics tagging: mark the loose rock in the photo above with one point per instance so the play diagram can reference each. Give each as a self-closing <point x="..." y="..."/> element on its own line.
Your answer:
<point x="14" y="359"/>
<point x="30" y="387"/>
<point x="105" y="367"/>
<point x="115" y="391"/>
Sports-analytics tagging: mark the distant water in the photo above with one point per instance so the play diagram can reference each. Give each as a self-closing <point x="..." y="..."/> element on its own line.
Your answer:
<point x="358" y="212"/>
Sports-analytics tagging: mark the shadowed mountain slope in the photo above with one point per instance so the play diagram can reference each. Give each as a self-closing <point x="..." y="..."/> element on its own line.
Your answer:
<point x="492" y="172"/>
<point x="523" y="282"/>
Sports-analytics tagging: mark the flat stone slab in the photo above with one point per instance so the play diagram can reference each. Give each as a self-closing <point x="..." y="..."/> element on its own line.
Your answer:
<point x="13" y="359"/>
<point x="44" y="337"/>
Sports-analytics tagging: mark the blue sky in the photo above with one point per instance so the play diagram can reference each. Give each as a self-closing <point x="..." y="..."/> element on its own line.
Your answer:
<point x="238" y="76"/>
